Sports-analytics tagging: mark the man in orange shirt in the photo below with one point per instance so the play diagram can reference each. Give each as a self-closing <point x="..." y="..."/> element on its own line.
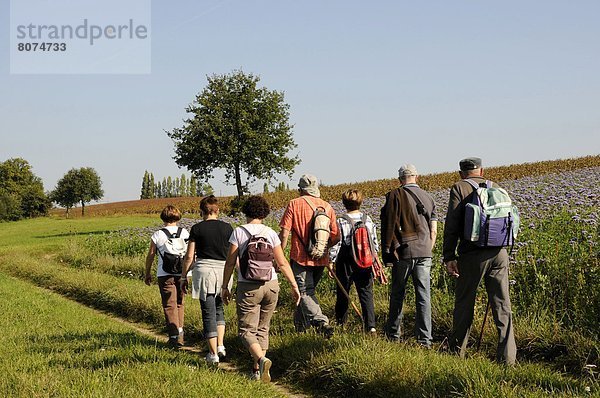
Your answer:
<point x="307" y="270"/>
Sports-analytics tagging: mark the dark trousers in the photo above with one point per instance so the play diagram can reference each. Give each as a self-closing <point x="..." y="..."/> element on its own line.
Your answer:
<point x="348" y="273"/>
<point x="491" y="265"/>
<point x="172" y="302"/>
<point x="212" y="314"/>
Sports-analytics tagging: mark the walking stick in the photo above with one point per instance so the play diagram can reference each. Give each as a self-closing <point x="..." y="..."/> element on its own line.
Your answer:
<point x="487" y="309"/>
<point x="331" y="271"/>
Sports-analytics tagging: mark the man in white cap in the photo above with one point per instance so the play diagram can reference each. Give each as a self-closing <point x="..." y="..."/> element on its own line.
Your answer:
<point x="308" y="270"/>
<point x="408" y="233"/>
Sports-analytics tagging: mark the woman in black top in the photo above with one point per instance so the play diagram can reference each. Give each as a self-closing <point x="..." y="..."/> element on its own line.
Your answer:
<point x="209" y="244"/>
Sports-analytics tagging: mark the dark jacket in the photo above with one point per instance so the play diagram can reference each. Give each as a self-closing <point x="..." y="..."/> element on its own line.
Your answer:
<point x="461" y="193"/>
<point x="403" y="230"/>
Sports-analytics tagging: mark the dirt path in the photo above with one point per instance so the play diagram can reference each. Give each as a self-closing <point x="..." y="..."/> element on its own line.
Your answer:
<point x="146" y="331"/>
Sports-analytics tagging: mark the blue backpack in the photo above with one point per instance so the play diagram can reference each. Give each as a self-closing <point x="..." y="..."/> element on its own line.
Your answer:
<point x="491" y="219"/>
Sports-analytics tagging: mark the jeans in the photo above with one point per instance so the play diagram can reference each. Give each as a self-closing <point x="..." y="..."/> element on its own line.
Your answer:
<point x="308" y="312"/>
<point x="212" y="315"/>
<point x="420" y="269"/>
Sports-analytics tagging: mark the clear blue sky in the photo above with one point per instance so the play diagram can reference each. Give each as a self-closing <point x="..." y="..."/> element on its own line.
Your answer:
<point x="425" y="82"/>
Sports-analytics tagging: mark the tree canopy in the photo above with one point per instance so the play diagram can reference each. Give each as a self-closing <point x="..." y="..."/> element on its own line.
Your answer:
<point x="238" y="127"/>
<point x="21" y="192"/>
<point x="77" y="186"/>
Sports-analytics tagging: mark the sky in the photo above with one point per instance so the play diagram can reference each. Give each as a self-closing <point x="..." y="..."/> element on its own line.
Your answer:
<point x="371" y="85"/>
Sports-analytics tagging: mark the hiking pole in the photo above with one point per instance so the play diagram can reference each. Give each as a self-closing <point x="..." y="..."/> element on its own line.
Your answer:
<point x="487" y="309"/>
<point x="330" y="268"/>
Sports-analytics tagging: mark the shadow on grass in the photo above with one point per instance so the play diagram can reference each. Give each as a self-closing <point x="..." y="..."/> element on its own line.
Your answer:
<point x="99" y="350"/>
<point x="71" y="233"/>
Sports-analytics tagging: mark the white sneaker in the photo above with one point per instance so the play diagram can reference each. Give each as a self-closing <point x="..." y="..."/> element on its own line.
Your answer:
<point x="221" y="352"/>
<point x="212" y="360"/>
<point x="264" y="364"/>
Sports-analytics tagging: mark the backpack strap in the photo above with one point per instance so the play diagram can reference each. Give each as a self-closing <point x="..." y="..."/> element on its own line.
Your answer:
<point x="350" y="221"/>
<point x="472" y="183"/>
<point x="311" y="204"/>
<point x="420" y="206"/>
<point x="169" y="234"/>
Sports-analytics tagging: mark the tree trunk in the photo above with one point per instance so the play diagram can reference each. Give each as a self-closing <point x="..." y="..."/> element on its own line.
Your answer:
<point x="238" y="180"/>
<point x="82" y="208"/>
<point x="68" y="208"/>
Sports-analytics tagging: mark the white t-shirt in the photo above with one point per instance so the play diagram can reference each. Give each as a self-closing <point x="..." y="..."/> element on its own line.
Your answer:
<point x="240" y="238"/>
<point x="160" y="238"/>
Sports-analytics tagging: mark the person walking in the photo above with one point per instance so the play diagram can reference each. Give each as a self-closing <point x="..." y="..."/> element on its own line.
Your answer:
<point x="408" y="234"/>
<point x="256" y="300"/>
<point x="296" y="220"/>
<point x="347" y="270"/>
<point x="470" y="264"/>
<point x="209" y="245"/>
<point x="168" y="280"/>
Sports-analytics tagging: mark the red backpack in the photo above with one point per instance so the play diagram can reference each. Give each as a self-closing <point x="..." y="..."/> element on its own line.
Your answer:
<point x="361" y="245"/>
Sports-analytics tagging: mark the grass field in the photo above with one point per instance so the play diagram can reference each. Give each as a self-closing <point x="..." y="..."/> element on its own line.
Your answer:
<point x="556" y="301"/>
<point x="51" y="347"/>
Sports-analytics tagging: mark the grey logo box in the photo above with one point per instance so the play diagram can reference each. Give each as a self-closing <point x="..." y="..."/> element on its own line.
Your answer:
<point x="80" y="37"/>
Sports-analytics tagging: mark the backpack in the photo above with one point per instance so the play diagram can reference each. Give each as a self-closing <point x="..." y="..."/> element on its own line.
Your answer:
<point x="319" y="231"/>
<point x="361" y="246"/>
<point x="173" y="252"/>
<point x="491" y="220"/>
<point x="256" y="261"/>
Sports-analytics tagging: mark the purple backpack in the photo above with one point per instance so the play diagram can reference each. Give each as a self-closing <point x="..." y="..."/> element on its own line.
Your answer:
<point x="491" y="220"/>
<point x="256" y="261"/>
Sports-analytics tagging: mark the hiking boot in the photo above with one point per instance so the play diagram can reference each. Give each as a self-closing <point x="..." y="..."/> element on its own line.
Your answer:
<point x="212" y="360"/>
<point x="173" y="343"/>
<point x="326" y="330"/>
<point x="264" y="364"/>
<point x="221" y="352"/>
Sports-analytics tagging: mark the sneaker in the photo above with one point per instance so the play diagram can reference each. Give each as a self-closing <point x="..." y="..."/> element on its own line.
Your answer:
<point x="255" y="375"/>
<point x="212" y="360"/>
<point x="221" y="352"/>
<point x="326" y="330"/>
<point x="173" y="343"/>
<point x="264" y="364"/>
<point x="372" y="332"/>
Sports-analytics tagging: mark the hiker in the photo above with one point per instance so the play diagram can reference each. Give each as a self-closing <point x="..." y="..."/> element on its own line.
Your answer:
<point x="168" y="279"/>
<point x="308" y="265"/>
<point x="470" y="263"/>
<point x="408" y="233"/>
<point x="347" y="270"/>
<point x="209" y="245"/>
<point x="257" y="291"/>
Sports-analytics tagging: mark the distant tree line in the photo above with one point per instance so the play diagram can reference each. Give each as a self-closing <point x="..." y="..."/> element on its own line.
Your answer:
<point x="21" y="192"/>
<point x="171" y="187"/>
<point x="281" y="187"/>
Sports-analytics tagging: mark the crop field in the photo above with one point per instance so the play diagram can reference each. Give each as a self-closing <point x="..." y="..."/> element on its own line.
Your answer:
<point x="54" y="347"/>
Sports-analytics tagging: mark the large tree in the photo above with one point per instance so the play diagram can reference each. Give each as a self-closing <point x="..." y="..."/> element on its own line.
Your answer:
<point x="21" y="191"/>
<point x="78" y="186"/>
<point x="238" y="127"/>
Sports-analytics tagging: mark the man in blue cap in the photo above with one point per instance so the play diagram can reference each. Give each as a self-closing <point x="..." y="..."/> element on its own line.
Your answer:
<point x="470" y="264"/>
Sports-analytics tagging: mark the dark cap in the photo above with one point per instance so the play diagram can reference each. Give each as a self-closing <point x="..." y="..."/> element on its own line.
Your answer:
<point x="470" y="164"/>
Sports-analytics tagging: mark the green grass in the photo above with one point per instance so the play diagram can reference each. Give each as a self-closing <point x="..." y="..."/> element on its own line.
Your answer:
<point x="51" y="347"/>
<point x="347" y="365"/>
